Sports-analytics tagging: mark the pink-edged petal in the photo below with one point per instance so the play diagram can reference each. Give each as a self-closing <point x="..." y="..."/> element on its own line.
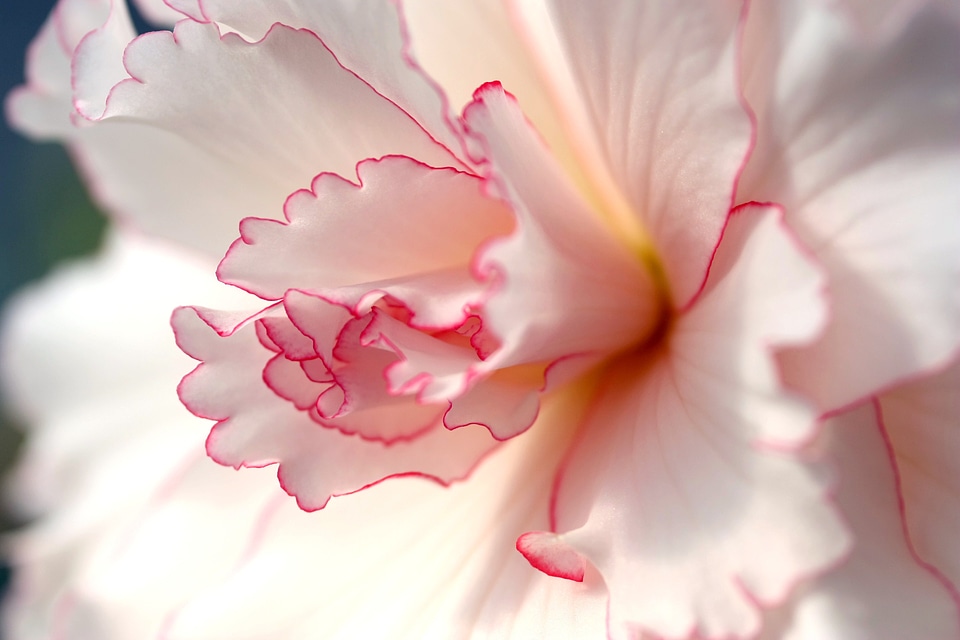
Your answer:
<point x="565" y="285"/>
<point x="97" y="63"/>
<point x="880" y="592"/>
<point x="660" y="85"/>
<point x="547" y="552"/>
<point x="42" y="107"/>
<point x="506" y="402"/>
<point x="291" y="90"/>
<point x="922" y="419"/>
<point x="463" y="45"/>
<point x="866" y="171"/>
<point x="404" y="222"/>
<point x="255" y="427"/>
<point x="348" y="27"/>
<point x="682" y="490"/>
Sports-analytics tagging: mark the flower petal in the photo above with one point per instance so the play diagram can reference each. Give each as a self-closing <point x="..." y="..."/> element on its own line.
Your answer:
<point x="255" y="427"/>
<point x="272" y="146"/>
<point x="681" y="491"/>
<point x="404" y="222"/>
<point x="599" y="296"/>
<point x="867" y="174"/>
<point x="348" y="27"/>
<point x="923" y="422"/>
<point x="880" y="592"/>
<point x="660" y="84"/>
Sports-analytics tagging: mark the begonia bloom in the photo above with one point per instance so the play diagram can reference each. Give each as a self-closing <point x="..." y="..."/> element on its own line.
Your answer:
<point x="617" y="319"/>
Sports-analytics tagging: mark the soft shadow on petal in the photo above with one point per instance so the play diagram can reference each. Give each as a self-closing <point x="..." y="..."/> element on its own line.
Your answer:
<point x="922" y="419"/>
<point x="687" y="490"/>
<point x="880" y="592"/>
<point x="859" y="140"/>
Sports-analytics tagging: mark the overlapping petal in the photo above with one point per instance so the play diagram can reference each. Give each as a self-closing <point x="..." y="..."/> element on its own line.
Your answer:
<point x="682" y="490"/>
<point x="857" y="139"/>
<point x="881" y="592"/>
<point x="256" y="427"/>
<point x="661" y="87"/>
<point x="922" y="419"/>
<point x="348" y="27"/>
<point x="181" y="548"/>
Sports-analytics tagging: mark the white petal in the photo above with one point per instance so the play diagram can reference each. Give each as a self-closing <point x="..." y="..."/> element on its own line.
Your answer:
<point x="394" y="233"/>
<point x="681" y="490"/>
<point x="566" y="285"/>
<point x="923" y="421"/>
<point x="350" y="28"/>
<point x="172" y="144"/>
<point x="864" y="156"/>
<point x="880" y="592"/>
<point x="660" y="85"/>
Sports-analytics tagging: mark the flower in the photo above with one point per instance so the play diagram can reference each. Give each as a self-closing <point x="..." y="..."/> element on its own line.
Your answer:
<point x="662" y="296"/>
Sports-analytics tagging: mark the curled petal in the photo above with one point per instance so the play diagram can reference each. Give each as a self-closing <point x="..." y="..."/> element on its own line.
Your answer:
<point x="256" y="427"/>
<point x="404" y="230"/>
<point x="599" y="296"/>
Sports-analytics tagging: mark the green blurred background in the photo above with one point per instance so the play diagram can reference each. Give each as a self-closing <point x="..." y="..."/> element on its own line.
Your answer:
<point x="45" y="215"/>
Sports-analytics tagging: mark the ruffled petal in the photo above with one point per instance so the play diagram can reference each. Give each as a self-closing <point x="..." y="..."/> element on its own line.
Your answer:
<point x="348" y="27"/>
<point x="405" y="230"/>
<point x="866" y="171"/>
<point x="880" y="592"/>
<point x="923" y="422"/>
<point x="213" y="553"/>
<point x="255" y="427"/>
<point x="682" y="490"/>
<point x="167" y="154"/>
<point x="661" y="89"/>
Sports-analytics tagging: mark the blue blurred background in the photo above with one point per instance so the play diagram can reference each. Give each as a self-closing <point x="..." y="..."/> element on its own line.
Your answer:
<point x="45" y="215"/>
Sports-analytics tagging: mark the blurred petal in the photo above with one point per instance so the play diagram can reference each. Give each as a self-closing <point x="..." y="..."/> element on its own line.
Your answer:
<point x="923" y="422"/>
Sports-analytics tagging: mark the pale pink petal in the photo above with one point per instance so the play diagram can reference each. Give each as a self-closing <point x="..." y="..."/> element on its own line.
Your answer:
<point x="660" y="84"/>
<point x="463" y="45"/>
<point x="880" y="592"/>
<point x="923" y="422"/>
<point x="255" y="427"/>
<point x="408" y="559"/>
<point x="682" y="490"/>
<point x="293" y="90"/>
<point x="566" y="285"/>
<point x="88" y="359"/>
<point x="43" y="106"/>
<point x="349" y="27"/>
<point x="858" y="140"/>
<point x="404" y="230"/>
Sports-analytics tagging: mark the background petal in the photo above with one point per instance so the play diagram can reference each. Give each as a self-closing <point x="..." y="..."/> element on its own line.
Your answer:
<point x="859" y="140"/>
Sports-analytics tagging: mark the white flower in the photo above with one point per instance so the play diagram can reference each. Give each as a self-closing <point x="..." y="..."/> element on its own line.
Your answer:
<point x="659" y="304"/>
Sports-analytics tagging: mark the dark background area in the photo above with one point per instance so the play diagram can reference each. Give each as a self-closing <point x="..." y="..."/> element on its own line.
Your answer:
<point x="45" y="215"/>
